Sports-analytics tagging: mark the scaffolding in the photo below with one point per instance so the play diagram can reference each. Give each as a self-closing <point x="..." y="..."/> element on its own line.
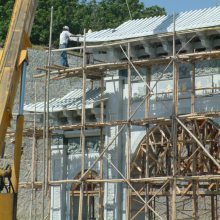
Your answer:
<point x="175" y="169"/>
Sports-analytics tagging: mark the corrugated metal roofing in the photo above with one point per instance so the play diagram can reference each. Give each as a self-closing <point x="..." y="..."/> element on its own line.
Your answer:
<point x="196" y="19"/>
<point x="71" y="101"/>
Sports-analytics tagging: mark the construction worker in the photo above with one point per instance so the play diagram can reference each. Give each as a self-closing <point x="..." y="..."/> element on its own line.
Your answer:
<point x="64" y="38"/>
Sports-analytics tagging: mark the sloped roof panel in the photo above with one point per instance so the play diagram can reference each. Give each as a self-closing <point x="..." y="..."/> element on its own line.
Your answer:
<point x="71" y="101"/>
<point x="196" y="19"/>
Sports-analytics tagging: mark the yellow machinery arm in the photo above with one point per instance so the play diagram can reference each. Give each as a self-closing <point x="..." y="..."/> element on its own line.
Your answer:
<point x="13" y="59"/>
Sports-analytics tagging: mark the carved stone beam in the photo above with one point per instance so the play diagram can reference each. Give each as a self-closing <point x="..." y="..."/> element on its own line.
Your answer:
<point x="114" y="54"/>
<point x="167" y="46"/>
<point x="206" y="41"/>
<point x="185" y="44"/>
<point x="149" y="49"/>
<point x="69" y="115"/>
<point x="133" y="52"/>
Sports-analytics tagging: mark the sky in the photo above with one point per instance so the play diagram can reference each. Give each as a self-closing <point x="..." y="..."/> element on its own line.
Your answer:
<point x="181" y="5"/>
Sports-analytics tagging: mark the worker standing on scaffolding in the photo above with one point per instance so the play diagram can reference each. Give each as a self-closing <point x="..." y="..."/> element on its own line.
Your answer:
<point x="64" y="38"/>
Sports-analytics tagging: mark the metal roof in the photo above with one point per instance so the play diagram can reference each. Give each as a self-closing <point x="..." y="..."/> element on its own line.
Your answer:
<point x="71" y="101"/>
<point x="194" y="19"/>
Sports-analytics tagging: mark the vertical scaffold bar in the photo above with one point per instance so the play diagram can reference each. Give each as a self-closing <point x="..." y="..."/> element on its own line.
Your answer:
<point x="82" y="135"/>
<point x="33" y="159"/>
<point x="101" y="187"/>
<point x="48" y="147"/>
<point x="128" y="148"/>
<point x="174" y="122"/>
<point x="194" y="148"/>
<point x="148" y="212"/>
<point x="193" y="88"/>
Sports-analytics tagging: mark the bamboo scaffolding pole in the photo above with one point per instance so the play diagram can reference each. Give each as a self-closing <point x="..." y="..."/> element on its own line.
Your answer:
<point x="193" y="95"/>
<point x="128" y="145"/>
<point x="147" y="170"/>
<point x="101" y="187"/>
<point x="154" y="180"/>
<point x="180" y="194"/>
<point x="33" y="174"/>
<point x="213" y="207"/>
<point x="174" y="122"/>
<point x="28" y="185"/>
<point x="82" y="135"/>
<point x="80" y="214"/>
<point x="194" y="150"/>
<point x="194" y="185"/>
<point x="161" y="194"/>
<point x="216" y="206"/>
<point x="44" y="145"/>
<point x="46" y="122"/>
<point x="217" y="201"/>
<point x="48" y="147"/>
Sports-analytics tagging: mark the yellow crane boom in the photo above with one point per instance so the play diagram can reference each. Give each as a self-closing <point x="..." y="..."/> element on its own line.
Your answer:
<point x="12" y="61"/>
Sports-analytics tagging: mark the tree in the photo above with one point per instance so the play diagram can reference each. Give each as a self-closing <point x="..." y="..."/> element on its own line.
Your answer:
<point x="6" y="7"/>
<point x="78" y="14"/>
<point x="112" y="13"/>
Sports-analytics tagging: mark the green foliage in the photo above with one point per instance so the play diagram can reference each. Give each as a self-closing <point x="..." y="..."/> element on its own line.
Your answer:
<point x="78" y="14"/>
<point x="6" y="7"/>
